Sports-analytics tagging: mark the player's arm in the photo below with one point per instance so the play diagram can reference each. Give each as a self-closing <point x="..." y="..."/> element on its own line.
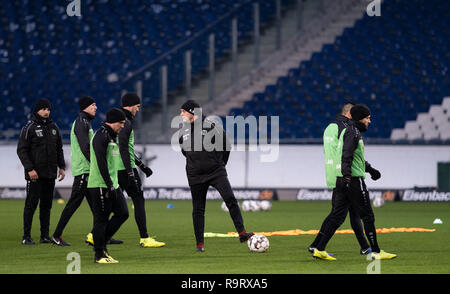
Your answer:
<point x="24" y="148"/>
<point x="148" y="172"/>
<point x="226" y="147"/>
<point x="59" y="150"/>
<point x="81" y="130"/>
<point x="100" y="144"/>
<point x="374" y="173"/>
<point x="124" y="138"/>
<point x="351" y="139"/>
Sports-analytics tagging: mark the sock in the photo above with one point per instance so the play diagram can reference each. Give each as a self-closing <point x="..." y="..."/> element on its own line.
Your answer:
<point x="371" y="234"/>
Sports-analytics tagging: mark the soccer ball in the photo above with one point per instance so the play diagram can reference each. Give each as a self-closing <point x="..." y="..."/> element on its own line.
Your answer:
<point x="254" y="205"/>
<point x="258" y="243"/>
<point x="265" y="205"/>
<point x="378" y="202"/>
<point x="250" y="205"/>
<point x="246" y="205"/>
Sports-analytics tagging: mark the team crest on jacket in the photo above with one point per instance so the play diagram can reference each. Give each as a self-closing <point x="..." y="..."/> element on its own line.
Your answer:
<point x="54" y="132"/>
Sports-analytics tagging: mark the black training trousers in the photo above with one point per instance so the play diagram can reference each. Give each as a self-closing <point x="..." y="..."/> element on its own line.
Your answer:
<point x="79" y="191"/>
<point x="104" y="226"/>
<point x="199" y="192"/>
<point x="355" y="222"/>
<point x="137" y="195"/>
<point x="358" y="197"/>
<point x="40" y="190"/>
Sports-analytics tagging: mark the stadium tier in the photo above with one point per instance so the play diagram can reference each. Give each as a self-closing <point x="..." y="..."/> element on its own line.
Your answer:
<point x="46" y="53"/>
<point x="396" y="64"/>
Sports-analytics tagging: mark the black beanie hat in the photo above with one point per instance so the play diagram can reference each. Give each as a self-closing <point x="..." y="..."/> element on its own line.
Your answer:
<point x="359" y="111"/>
<point x="114" y="115"/>
<point x="41" y="104"/>
<point x="189" y="106"/>
<point x="85" y="102"/>
<point x="130" y="99"/>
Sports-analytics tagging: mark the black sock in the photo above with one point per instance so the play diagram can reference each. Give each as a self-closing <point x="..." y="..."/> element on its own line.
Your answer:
<point x="371" y="234"/>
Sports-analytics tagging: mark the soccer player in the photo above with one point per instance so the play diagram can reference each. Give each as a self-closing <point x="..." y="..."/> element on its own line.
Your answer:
<point x="129" y="179"/>
<point x="350" y="186"/>
<point x="103" y="184"/>
<point x="205" y="167"/>
<point x="330" y="144"/>
<point x="41" y="154"/>
<point x="80" y="137"/>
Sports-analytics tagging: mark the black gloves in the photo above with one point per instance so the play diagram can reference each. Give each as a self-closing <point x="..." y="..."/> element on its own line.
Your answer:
<point x="132" y="181"/>
<point x="346" y="183"/>
<point x="374" y="173"/>
<point x="146" y="170"/>
<point x="112" y="194"/>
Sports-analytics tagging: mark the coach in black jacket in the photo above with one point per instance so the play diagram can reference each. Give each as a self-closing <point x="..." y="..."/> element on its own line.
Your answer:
<point x="41" y="154"/>
<point x="205" y="166"/>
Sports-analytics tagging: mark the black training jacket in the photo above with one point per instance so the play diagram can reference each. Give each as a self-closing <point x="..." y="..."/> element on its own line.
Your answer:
<point x="209" y="160"/>
<point x="40" y="148"/>
<point x="351" y="138"/>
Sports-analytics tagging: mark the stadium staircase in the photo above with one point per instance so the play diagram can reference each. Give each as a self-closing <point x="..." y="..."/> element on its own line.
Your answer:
<point x="431" y="126"/>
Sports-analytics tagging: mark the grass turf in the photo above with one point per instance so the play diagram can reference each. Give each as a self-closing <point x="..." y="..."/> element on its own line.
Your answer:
<point x="419" y="252"/>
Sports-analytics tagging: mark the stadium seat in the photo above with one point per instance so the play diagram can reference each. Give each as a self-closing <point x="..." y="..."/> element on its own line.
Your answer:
<point x="398" y="134"/>
<point x="446" y="105"/>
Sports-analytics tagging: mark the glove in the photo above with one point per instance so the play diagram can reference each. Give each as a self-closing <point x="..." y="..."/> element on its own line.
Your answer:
<point x="374" y="173"/>
<point x="112" y="193"/>
<point x="345" y="183"/>
<point x="132" y="182"/>
<point x="146" y="170"/>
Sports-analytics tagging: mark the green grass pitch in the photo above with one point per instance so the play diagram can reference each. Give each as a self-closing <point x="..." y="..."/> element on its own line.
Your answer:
<point x="418" y="253"/>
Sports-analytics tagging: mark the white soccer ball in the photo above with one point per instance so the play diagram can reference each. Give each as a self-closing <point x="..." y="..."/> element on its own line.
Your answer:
<point x="378" y="202"/>
<point x="258" y="243"/>
<point x="254" y="205"/>
<point x="265" y="205"/>
<point x="246" y="205"/>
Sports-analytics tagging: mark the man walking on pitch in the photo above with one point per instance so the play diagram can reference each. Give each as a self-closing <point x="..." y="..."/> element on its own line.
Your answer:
<point x="129" y="179"/>
<point x="103" y="184"/>
<point x="350" y="187"/>
<point x="330" y="144"/>
<point x="80" y="137"/>
<point x="41" y="154"/>
<point x="205" y="167"/>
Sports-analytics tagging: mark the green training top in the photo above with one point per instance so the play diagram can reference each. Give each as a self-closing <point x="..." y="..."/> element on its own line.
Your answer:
<point x="80" y="164"/>
<point x="113" y="159"/>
